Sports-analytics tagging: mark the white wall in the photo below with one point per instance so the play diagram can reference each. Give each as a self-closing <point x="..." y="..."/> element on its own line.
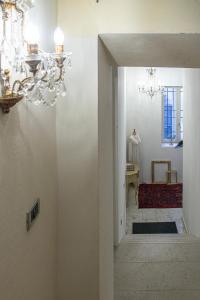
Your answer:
<point x="120" y="157"/>
<point x="191" y="150"/>
<point x="88" y="18"/>
<point x="82" y="21"/>
<point x="77" y="146"/>
<point x="28" y="170"/>
<point x="145" y="115"/>
<point x="106" y="93"/>
<point x="45" y="22"/>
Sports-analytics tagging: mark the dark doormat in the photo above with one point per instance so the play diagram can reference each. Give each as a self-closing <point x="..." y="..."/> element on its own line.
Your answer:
<point x="154" y="228"/>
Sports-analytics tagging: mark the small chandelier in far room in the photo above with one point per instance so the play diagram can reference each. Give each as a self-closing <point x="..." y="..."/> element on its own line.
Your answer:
<point x="151" y="87"/>
<point x="26" y="71"/>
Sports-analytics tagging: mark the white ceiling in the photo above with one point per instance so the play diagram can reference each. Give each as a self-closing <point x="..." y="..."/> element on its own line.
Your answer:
<point x="156" y="50"/>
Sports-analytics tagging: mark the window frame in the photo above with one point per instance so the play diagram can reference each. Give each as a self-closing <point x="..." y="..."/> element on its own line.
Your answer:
<point x="178" y="137"/>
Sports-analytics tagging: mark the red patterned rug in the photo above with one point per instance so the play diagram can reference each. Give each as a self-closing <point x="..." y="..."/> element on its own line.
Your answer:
<point x="160" y="195"/>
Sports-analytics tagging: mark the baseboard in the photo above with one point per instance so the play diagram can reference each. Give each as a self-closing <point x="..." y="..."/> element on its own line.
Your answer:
<point x="185" y="225"/>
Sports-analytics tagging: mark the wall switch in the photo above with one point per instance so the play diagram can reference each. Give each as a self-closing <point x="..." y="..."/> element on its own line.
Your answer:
<point x="32" y="215"/>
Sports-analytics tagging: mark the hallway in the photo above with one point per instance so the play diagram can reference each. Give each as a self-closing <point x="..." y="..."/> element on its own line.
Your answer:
<point x="157" y="267"/>
<point x="164" y="267"/>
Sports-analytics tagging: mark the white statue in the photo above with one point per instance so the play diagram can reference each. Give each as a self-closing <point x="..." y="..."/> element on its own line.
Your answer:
<point x="134" y="139"/>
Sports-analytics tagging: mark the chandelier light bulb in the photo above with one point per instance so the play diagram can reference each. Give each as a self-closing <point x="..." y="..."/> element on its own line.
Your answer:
<point x="32" y="38"/>
<point x="59" y="36"/>
<point x="59" y="40"/>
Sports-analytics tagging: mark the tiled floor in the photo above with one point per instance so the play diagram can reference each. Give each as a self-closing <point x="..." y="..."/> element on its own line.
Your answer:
<point x="151" y="215"/>
<point x="157" y="267"/>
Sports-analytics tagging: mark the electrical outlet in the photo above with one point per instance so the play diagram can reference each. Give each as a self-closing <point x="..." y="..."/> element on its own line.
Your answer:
<point x="32" y="215"/>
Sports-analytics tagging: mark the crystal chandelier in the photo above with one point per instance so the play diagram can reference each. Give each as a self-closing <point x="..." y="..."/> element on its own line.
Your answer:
<point x="151" y="87"/>
<point x="25" y="70"/>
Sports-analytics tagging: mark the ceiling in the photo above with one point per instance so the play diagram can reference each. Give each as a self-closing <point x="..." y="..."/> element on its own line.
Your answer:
<point x="156" y="50"/>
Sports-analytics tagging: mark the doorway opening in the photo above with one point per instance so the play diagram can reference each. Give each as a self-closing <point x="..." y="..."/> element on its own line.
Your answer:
<point x="130" y="50"/>
<point x="154" y="150"/>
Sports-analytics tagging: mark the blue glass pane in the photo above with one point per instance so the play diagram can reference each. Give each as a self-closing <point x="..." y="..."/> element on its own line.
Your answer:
<point x="169" y="113"/>
<point x="168" y="128"/>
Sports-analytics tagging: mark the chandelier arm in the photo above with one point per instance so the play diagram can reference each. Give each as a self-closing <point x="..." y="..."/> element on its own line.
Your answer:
<point x="57" y="80"/>
<point x="60" y="75"/>
<point x="20" y="83"/>
<point x="26" y="80"/>
<point x="43" y="78"/>
<point x="19" y="10"/>
<point x="30" y="90"/>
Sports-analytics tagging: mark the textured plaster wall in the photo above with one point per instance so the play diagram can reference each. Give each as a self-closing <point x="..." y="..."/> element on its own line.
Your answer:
<point x="28" y="170"/>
